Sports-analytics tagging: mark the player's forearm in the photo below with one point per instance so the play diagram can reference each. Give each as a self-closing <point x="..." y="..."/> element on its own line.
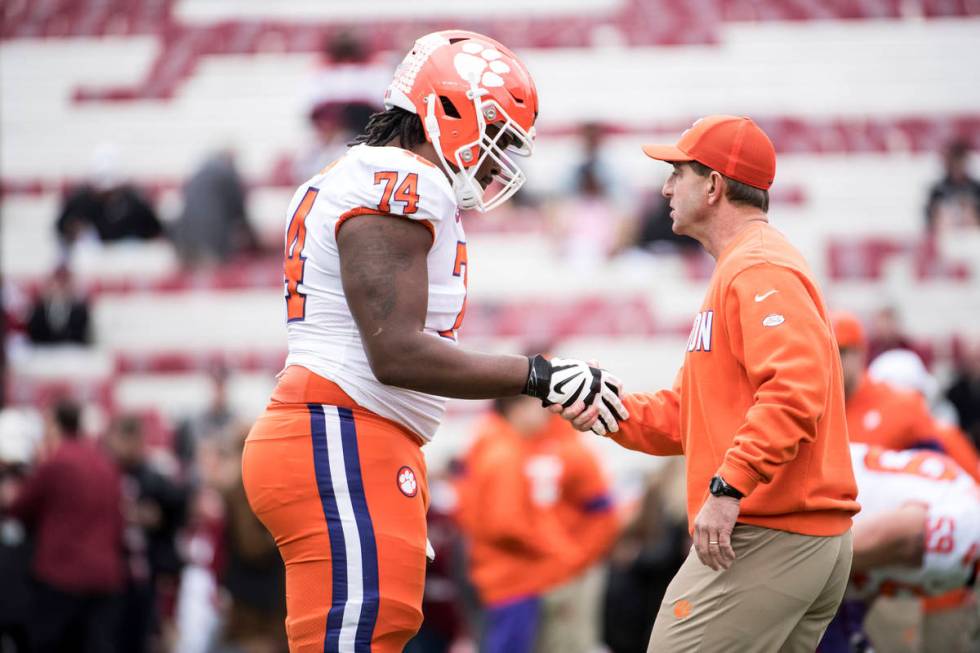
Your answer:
<point x="894" y="538"/>
<point x="428" y="364"/>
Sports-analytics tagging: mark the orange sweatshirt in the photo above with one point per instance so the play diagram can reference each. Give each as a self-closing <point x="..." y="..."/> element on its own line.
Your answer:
<point x="885" y="416"/>
<point x="760" y="398"/>
<point x="584" y="505"/>
<point x="517" y="545"/>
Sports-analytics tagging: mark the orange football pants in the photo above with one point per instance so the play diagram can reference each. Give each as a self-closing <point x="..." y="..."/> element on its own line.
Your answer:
<point x="343" y="492"/>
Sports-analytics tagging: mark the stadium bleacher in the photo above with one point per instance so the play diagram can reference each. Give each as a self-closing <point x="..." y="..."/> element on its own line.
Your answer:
<point x="874" y="90"/>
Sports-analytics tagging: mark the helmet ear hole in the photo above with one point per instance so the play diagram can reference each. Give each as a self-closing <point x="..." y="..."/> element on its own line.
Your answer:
<point x="448" y="107"/>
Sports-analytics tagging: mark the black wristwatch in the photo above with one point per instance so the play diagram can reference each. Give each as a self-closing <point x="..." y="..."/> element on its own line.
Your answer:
<point x="720" y="488"/>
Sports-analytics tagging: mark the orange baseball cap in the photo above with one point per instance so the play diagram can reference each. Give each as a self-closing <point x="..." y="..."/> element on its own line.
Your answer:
<point x="734" y="146"/>
<point x="848" y="330"/>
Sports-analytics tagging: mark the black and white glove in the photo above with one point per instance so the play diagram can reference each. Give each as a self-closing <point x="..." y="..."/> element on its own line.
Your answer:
<point x="567" y="380"/>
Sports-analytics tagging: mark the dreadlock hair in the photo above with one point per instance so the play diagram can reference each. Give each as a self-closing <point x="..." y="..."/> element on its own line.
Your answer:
<point x="384" y="126"/>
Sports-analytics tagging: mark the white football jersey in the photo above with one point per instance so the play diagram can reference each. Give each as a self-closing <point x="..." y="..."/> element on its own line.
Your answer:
<point x="887" y="480"/>
<point x="323" y="336"/>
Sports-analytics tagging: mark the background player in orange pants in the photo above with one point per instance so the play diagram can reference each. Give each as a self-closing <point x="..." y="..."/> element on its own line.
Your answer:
<point x="375" y="280"/>
<point x="537" y="514"/>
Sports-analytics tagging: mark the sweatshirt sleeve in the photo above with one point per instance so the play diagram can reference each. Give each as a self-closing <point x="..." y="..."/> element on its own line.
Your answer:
<point x="785" y="346"/>
<point x="654" y="425"/>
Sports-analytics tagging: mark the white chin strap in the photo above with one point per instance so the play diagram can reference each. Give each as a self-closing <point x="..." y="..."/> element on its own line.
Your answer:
<point x="469" y="193"/>
<point x="467" y="196"/>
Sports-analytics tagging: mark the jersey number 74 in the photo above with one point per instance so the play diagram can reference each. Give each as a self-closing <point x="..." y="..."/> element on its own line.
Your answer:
<point x="295" y="264"/>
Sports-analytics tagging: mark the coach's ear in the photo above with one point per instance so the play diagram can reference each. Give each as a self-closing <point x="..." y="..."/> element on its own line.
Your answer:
<point x="715" y="188"/>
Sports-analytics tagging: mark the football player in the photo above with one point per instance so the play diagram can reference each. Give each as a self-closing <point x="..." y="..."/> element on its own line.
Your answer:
<point x="918" y="533"/>
<point x="375" y="283"/>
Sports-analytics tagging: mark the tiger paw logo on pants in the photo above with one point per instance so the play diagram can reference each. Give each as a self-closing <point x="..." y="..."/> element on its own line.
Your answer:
<point x="682" y="608"/>
<point x="407" y="483"/>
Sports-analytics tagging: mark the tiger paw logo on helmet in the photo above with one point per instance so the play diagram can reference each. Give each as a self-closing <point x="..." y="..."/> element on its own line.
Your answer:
<point x="407" y="482"/>
<point x="473" y="61"/>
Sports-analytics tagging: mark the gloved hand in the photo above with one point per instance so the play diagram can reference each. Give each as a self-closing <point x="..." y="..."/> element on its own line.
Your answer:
<point x="564" y="381"/>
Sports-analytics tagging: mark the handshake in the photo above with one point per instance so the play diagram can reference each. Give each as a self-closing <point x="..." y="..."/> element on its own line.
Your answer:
<point x="562" y="382"/>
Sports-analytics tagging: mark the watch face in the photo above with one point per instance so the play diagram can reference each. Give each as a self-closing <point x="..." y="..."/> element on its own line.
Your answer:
<point x="715" y="487"/>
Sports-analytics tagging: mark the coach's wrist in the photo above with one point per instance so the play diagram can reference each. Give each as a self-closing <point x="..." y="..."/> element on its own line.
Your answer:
<point x="720" y="488"/>
<point x="737" y="477"/>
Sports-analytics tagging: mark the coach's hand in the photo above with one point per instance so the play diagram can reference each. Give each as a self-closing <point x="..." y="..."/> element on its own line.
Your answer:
<point x="573" y="384"/>
<point x="713" y="532"/>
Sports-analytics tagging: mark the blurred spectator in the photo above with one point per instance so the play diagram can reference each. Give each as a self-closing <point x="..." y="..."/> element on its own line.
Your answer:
<point x="954" y="200"/>
<point x="351" y="75"/>
<point x="197" y="615"/>
<point x="213" y="226"/>
<point x="964" y="392"/>
<point x="594" y="168"/>
<point x="210" y="426"/>
<point x="72" y="503"/>
<point x="59" y="314"/>
<point x="17" y="448"/>
<point x="589" y="221"/>
<point x="644" y="560"/>
<point x="254" y="575"/>
<point x="107" y="207"/>
<point x="655" y="228"/>
<point x="344" y="92"/>
<point x="886" y="333"/>
<point x="331" y="134"/>
<point x="519" y="547"/>
<point x="155" y="508"/>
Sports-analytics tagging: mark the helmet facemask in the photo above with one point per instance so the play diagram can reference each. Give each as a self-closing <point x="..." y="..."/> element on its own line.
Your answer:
<point x="508" y="138"/>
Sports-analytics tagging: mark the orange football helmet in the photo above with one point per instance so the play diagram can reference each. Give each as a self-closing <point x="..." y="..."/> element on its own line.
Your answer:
<point x="460" y="83"/>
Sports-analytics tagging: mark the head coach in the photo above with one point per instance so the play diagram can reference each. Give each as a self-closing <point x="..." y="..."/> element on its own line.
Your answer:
<point x="758" y="411"/>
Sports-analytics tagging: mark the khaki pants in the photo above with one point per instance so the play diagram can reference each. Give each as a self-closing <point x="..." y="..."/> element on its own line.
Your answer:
<point x="894" y="624"/>
<point x="956" y="630"/>
<point x="779" y="595"/>
<point x="570" y="614"/>
<point x="898" y="625"/>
